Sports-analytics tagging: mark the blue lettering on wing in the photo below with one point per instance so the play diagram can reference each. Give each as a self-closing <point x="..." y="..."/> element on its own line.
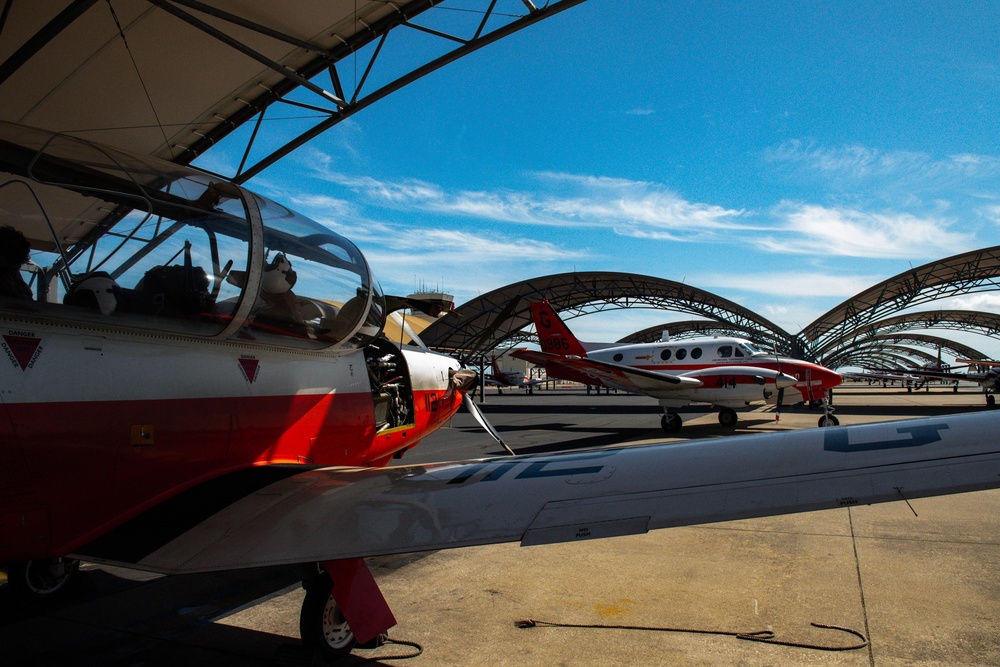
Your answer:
<point x="838" y="439"/>
<point x="534" y="469"/>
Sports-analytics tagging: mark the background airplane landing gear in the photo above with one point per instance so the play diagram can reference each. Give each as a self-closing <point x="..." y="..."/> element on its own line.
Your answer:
<point x="728" y="417"/>
<point x="671" y="422"/>
<point x="42" y="580"/>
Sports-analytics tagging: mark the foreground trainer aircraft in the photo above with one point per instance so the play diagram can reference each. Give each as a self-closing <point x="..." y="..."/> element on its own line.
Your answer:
<point x="178" y="336"/>
<point x="515" y="379"/>
<point x="727" y="372"/>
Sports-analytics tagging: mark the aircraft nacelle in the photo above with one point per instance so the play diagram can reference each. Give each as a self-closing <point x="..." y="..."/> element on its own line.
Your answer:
<point x="179" y="332"/>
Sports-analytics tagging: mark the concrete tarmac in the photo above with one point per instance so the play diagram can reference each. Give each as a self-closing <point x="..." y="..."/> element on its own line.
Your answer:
<point x="917" y="579"/>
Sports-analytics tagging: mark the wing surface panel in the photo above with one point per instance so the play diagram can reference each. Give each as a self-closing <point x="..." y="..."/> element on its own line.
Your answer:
<point x="608" y="374"/>
<point x="333" y="513"/>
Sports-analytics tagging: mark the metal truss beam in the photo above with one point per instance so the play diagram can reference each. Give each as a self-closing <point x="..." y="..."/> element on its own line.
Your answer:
<point x="331" y="108"/>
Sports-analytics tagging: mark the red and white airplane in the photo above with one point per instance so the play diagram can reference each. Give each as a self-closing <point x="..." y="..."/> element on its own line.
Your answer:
<point x="728" y="373"/>
<point x="196" y="383"/>
<point x="513" y="378"/>
<point x="179" y="343"/>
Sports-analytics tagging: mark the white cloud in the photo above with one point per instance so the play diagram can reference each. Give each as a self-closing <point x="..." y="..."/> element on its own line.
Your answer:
<point x="858" y="162"/>
<point x="819" y="230"/>
<point x="630" y="208"/>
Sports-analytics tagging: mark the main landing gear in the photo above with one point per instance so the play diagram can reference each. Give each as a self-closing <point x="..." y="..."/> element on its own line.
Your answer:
<point x="671" y="422"/>
<point x="323" y="622"/>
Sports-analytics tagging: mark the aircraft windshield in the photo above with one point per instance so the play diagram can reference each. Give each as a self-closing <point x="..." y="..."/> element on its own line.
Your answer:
<point x="124" y="241"/>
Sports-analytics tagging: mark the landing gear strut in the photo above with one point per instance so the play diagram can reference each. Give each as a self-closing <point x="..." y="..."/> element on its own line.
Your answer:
<point x="828" y="419"/>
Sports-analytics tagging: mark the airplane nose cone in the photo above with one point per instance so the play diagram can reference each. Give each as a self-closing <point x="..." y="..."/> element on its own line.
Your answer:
<point x="782" y="381"/>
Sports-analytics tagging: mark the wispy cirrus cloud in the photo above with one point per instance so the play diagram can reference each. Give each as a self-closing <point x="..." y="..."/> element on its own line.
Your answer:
<point x="628" y="208"/>
<point x="855" y="161"/>
<point x="820" y="230"/>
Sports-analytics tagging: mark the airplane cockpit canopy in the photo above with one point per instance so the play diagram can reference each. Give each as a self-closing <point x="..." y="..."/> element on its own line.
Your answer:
<point x="130" y="242"/>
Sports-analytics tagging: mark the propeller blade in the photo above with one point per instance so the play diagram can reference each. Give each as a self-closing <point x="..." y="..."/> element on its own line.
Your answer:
<point x="471" y="406"/>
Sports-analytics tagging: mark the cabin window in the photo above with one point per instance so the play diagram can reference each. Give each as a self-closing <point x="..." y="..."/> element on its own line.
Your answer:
<point x="681" y="354"/>
<point x="739" y="353"/>
<point x="696" y="353"/>
<point x="665" y="355"/>
<point x="725" y="351"/>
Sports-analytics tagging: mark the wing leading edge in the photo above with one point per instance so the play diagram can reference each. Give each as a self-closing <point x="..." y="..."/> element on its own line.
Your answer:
<point x="335" y="513"/>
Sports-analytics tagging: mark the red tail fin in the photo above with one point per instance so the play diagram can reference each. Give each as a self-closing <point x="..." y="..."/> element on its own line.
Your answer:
<point x="497" y="373"/>
<point x="553" y="335"/>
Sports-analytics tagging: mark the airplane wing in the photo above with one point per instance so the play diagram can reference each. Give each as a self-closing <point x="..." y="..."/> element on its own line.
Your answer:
<point x="879" y="376"/>
<point x="607" y="374"/>
<point x="333" y="513"/>
<point x="944" y="375"/>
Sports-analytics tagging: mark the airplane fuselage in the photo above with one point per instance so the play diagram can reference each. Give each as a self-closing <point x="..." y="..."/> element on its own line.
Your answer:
<point x="726" y="368"/>
<point x="162" y="415"/>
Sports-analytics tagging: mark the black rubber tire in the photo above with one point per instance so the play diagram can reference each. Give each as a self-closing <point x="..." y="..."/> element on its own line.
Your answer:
<point x="671" y="422"/>
<point x="728" y="417"/>
<point x="828" y="421"/>
<point x="321" y="625"/>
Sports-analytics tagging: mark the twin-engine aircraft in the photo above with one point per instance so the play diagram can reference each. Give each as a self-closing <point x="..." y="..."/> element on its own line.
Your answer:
<point x="728" y="373"/>
<point x="513" y="379"/>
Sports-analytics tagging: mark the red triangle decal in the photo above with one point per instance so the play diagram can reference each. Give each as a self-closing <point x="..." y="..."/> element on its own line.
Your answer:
<point x="22" y="349"/>
<point x="249" y="367"/>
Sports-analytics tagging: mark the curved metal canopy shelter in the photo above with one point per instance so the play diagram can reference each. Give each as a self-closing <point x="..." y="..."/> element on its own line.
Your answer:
<point x="482" y="324"/>
<point x="987" y="324"/>
<point x="894" y="344"/>
<point x="171" y="78"/>
<point x="975" y="271"/>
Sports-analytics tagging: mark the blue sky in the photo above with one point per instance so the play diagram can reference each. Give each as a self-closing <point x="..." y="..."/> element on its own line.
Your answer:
<point x="784" y="155"/>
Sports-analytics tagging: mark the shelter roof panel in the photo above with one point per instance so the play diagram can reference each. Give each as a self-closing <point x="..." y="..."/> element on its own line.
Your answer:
<point x="170" y="78"/>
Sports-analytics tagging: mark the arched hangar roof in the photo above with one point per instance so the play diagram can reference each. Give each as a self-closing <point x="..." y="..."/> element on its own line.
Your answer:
<point x="480" y="325"/>
<point x="974" y="321"/>
<point x="171" y="78"/>
<point x="897" y="344"/>
<point x="974" y="271"/>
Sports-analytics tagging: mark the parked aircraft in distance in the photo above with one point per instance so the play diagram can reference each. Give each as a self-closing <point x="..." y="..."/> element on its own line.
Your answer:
<point x="728" y="373"/>
<point x="885" y="377"/>
<point x="987" y="376"/>
<point x="514" y="378"/>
